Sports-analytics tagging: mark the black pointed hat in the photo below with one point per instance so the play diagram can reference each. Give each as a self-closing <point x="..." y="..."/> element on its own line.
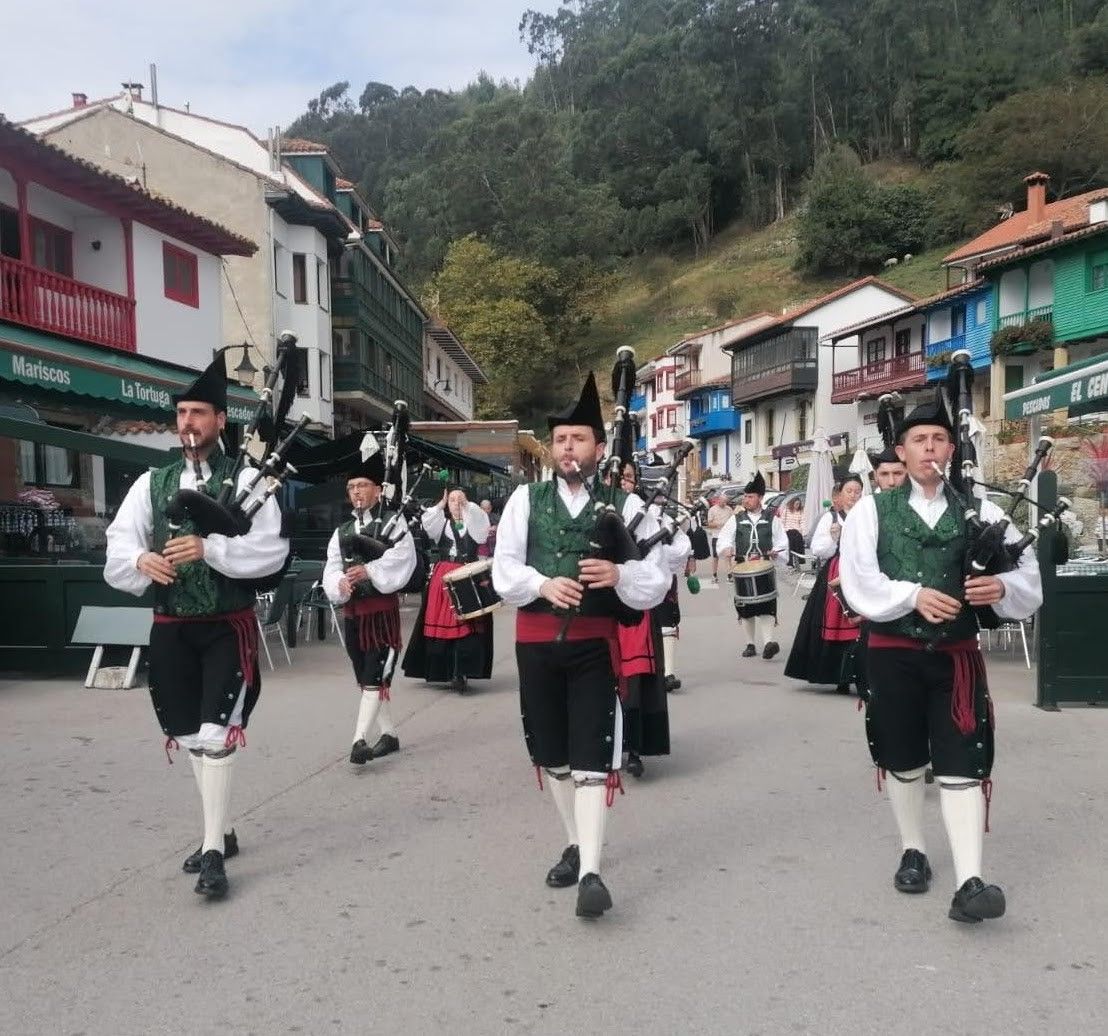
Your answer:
<point x="930" y="412"/>
<point x="586" y="411"/>
<point x="209" y="387"/>
<point x="756" y="485"/>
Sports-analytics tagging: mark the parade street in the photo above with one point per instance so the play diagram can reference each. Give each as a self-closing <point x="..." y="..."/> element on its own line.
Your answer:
<point x="751" y="870"/>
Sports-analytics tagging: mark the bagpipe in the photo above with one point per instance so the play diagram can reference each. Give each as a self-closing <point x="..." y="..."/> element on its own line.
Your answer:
<point x="988" y="551"/>
<point x="658" y="488"/>
<point x="359" y="548"/>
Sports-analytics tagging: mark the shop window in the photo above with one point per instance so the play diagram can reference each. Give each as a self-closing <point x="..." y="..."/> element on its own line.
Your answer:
<point x="299" y="278"/>
<point x="42" y="465"/>
<point x="52" y="246"/>
<point x="179" y="272"/>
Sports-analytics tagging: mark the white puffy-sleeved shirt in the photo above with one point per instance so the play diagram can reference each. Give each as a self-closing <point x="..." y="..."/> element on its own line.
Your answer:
<point x="642" y="584"/>
<point x="388" y="574"/>
<point x="261" y="552"/>
<point x="823" y="544"/>
<point x="874" y="595"/>
<point x="726" y="541"/>
<point x="673" y="556"/>
<point x="476" y="525"/>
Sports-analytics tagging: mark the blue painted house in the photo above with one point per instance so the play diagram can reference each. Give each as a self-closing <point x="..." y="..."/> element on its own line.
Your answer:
<point x="715" y="423"/>
<point x="961" y="318"/>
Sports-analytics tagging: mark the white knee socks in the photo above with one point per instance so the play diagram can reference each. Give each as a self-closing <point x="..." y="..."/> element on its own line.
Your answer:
<point x="765" y="625"/>
<point x="590" y="812"/>
<point x="563" y="792"/>
<point x="368" y="708"/>
<point x="963" y="808"/>
<point x="669" y="651"/>
<point x="748" y="630"/>
<point x="215" y="792"/>
<point x="906" y="792"/>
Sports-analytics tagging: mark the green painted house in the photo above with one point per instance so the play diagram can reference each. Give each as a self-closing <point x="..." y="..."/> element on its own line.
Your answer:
<point x="377" y="323"/>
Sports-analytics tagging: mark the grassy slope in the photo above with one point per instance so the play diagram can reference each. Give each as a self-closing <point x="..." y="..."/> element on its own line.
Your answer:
<point x="658" y="301"/>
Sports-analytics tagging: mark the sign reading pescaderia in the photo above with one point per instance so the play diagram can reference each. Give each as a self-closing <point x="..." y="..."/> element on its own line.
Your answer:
<point x="59" y="375"/>
<point x="1080" y="391"/>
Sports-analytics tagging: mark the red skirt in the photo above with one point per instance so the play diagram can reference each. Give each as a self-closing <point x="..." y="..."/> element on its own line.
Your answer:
<point x="835" y="624"/>
<point x="440" y="621"/>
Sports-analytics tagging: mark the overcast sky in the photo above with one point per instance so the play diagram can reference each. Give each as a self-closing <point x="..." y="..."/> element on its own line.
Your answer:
<point x="254" y="62"/>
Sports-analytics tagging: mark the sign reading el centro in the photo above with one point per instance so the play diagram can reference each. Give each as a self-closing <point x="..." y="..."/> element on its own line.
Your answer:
<point x="103" y="384"/>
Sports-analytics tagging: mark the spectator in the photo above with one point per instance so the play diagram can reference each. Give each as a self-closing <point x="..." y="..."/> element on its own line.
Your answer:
<point x="794" y="529"/>
<point x="484" y="550"/>
<point x="718" y="514"/>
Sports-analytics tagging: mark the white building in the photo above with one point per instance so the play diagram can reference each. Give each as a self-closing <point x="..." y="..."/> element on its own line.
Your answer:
<point x="450" y="375"/>
<point x="782" y="380"/>
<point x="229" y="175"/>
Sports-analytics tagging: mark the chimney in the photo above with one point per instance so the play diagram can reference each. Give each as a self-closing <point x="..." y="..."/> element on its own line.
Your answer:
<point x="1098" y="211"/>
<point x="134" y="89"/>
<point x="79" y="100"/>
<point x="1036" y="196"/>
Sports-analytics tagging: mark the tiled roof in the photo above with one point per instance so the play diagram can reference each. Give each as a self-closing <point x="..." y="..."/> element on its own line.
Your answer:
<point x="1045" y="246"/>
<point x="344" y="185"/>
<point x="1017" y="229"/>
<point x="297" y="145"/>
<point x="144" y="205"/>
<point x="882" y="318"/>
<point x="791" y="316"/>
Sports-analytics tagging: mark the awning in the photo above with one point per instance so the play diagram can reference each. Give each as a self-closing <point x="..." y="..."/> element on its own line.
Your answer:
<point x="40" y="361"/>
<point x="1080" y="388"/>
<point x="452" y="458"/>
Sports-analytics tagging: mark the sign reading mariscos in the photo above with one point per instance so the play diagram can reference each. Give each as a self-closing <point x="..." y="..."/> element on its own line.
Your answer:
<point x="1080" y="392"/>
<point x="115" y="385"/>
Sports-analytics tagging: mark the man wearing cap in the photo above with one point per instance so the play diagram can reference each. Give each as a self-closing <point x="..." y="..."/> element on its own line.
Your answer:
<point x="888" y="469"/>
<point x="204" y="675"/>
<point x="750" y="535"/>
<point x="444" y="648"/>
<point x="902" y="568"/>
<point x="368" y="591"/>
<point x="567" y="643"/>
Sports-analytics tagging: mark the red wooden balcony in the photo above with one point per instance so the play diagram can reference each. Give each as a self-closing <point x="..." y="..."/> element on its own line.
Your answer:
<point x="686" y="380"/>
<point x="873" y="379"/>
<point x="50" y="302"/>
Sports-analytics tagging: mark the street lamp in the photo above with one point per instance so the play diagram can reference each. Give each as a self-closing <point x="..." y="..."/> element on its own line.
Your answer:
<point x="245" y="371"/>
<point x="442" y="381"/>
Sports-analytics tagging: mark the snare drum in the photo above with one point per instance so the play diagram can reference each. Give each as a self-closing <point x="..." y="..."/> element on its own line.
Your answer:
<point x="755" y="582"/>
<point x="470" y="589"/>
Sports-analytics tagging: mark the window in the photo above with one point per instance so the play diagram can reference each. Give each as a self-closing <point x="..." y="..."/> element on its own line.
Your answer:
<point x="52" y="247"/>
<point x="280" y="284"/>
<point x="324" y="377"/>
<point x="342" y="341"/>
<point x="658" y="384"/>
<point x="299" y="278"/>
<point x="875" y="351"/>
<point x="179" y="272"/>
<point x="1013" y="376"/>
<point x="9" y="232"/>
<point x="748" y="431"/>
<point x="770" y="441"/>
<point x="303" y="376"/>
<point x="715" y="454"/>
<point x="653" y="425"/>
<point x="903" y="343"/>
<point x="321" y="283"/>
<point x="982" y="312"/>
<point x="802" y="421"/>
<point x="957" y="320"/>
<point x="44" y="465"/>
<point x="669" y="381"/>
<point x="1098" y="271"/>
<point x="671" y="417"/>
<point x="726" y="398"/>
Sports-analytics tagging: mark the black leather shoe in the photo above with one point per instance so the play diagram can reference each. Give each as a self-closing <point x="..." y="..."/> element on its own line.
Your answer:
<point x="771" y="649"/>
<point x="749" y="651"/>
<point x="213" y="879"/>
<point x="230" y="848"/>
<point x="564" y="872"/>
<point x="975" y="902"/>
<point x="360" y="752"/>
<point x="386" y="744"/>
<point x="914" y="872"/>
<point x="634" y="764"/>
<point x="593" y="897"/>
<point x="672" y="683"/>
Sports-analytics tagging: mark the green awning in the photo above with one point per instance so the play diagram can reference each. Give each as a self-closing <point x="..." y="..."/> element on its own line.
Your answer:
<point x="44" y="362"/>
<point x="1080" y="388"/>
<point x="453" y="458"/>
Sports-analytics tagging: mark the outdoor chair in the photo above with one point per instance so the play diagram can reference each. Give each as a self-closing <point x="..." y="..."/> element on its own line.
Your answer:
<point x="316" y="602"/>
<point x="272" y="609"/>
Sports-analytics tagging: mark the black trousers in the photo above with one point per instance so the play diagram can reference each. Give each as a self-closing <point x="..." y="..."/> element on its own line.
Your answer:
<point x="909" y="722"/>
<point x="569" y="704"/>
<point x="369" y="665"/>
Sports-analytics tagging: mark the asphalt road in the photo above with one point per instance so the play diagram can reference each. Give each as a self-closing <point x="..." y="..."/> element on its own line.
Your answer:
<point x="751" y="869"/>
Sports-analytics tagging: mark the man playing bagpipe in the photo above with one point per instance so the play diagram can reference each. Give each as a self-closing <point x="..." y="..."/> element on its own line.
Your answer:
<point x="204" y="674"/>
<point x="366" y="578"/>
<point x="755" y="534"/>
<point x="903" y="556"/>
<point x="444" y="647"/>
<point x="567" y="632"/>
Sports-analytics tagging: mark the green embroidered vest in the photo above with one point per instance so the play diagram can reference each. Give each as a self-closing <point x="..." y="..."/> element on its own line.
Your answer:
<point x="371" y="528"/>
<point x="198" y="589"/>
<point x="908" y="550"/>
<point x="556" y="542"/>
<point x="744" y="533"/>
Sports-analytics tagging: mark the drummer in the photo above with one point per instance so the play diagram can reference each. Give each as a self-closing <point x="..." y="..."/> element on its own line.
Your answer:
<point x="444" y="648"/>
<point x="751" y="535"/>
